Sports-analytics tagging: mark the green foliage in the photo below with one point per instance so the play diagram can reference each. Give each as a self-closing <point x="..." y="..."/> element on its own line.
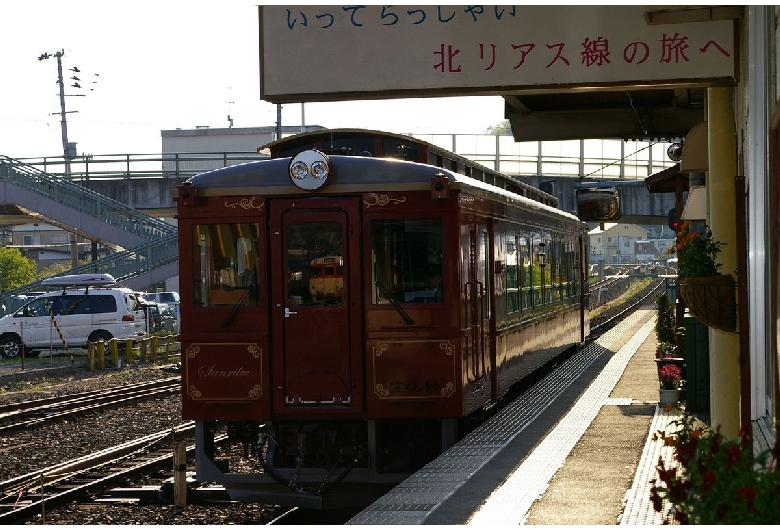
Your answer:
<point x="665" y="322"/>
<point x="53" y="270"/>
<point x="715" y="480"/>
<point x="15" y="269"/>
<point x="502" y="129"/>
<point x="696" y="253"/>
<point x="665" y="350"/>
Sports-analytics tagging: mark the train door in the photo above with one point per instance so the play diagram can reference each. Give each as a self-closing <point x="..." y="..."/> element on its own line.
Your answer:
<point x="315" y="303"/>
<point x="479" y="308"/>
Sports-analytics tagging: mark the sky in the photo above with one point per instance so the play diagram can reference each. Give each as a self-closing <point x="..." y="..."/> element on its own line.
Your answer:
<point x="147" y="66"/>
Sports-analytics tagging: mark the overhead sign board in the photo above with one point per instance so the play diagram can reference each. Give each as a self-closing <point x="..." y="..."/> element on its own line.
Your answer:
<point x="320" y="53"/>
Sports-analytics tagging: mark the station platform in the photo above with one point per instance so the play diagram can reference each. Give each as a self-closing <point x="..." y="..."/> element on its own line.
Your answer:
<point x="576" y="448"/>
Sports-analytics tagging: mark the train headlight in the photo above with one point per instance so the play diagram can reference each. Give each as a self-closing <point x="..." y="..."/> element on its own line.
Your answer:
<point x="310" y="169"/>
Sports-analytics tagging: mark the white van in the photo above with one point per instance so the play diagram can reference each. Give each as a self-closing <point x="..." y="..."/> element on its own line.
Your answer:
<point x="72" y="317"/>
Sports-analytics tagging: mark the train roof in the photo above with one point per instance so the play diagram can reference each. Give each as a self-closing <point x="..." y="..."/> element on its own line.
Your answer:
<point x="381" y="144"/>
<point x="351" y="174"/>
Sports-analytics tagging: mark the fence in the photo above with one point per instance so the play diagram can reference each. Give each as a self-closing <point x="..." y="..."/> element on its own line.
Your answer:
<point x="147" y="349"/>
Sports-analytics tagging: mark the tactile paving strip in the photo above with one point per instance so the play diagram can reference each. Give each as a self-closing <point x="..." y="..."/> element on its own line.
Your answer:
<point x="415" y="498"/>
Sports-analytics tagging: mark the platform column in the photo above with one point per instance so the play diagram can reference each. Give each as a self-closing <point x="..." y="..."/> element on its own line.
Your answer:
<point x="724" y="346"/>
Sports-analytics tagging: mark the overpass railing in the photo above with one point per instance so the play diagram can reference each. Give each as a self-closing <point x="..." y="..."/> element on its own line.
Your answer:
<point x="82" y="199"/>
<point x="121" y="265"/>
<point x="127" y="166"/>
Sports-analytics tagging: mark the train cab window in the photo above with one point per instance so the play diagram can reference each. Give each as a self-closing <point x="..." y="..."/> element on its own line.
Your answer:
<point x="406" y="256"/>
<point x="225" y="264"/>
<point x="315" y="263"/>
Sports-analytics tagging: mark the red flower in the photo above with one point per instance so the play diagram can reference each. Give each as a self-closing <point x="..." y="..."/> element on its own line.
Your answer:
<point x="748" y="494"/>
<point x="733" y="455"/>
<point x="708" y="480"/>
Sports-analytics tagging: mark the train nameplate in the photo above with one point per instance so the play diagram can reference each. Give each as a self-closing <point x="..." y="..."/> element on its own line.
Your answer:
<point x="223" y="371"/>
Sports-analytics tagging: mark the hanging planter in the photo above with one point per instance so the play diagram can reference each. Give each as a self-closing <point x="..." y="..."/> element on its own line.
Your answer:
<point x="711" y="299"/>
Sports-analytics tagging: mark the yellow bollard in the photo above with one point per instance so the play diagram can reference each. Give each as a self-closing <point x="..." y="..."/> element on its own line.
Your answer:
<point x="91" y="356"/>
<point x="154" y="348"/>
<point x="128" y="351"/>
<point x="113" y="347"/>
<point x="101" y="354"/>
<point x="143" y="349"/>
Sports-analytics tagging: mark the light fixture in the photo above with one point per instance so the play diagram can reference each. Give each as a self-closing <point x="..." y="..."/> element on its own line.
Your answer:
<point x="695" y="157"/>
<point x="674" y="152"/>
<point x="310" y="169"/>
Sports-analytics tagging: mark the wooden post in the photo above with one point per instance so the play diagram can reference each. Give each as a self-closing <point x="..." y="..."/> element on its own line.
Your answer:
<point x="101" y="354"/>
<point x="154" y="348"/>
<point x="91" y="356"/>
<point x="113" y="348"/>
<point x="128" y="352"/>
<point x="180" y="475"/>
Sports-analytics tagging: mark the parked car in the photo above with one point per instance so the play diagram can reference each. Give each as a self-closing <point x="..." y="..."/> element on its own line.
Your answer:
<point x="72" y="317"/>
<point x="153" y="316"/>
<point x="163" y="297"/>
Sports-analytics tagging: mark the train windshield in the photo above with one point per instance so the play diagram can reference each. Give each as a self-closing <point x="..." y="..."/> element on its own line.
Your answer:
<point x="407" y="261"/>
<point x="225" y="268"/>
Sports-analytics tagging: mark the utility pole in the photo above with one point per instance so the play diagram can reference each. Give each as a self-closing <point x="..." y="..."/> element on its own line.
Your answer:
<point x="67" y="149"/>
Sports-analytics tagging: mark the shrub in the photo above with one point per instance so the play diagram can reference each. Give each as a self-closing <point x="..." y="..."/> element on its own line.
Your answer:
<point x="715" y="480"/>
<point x="665" y="321"/>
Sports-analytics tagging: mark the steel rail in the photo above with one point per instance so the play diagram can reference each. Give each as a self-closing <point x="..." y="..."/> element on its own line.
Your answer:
<point x="47" y="410"/>
<point x="75" y="473"/>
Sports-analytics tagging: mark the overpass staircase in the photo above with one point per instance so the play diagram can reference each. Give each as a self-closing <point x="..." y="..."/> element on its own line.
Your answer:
<point x="146" y="248"/>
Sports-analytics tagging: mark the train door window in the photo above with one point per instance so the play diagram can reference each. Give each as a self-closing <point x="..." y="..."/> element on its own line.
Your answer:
<point x="315" y="263"/>
<point x="225" y="264"/>
<point x="407" y="261"/>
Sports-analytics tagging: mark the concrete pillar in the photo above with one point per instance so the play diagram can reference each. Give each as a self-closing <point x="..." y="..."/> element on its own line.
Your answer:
<point x="724" y="346"/>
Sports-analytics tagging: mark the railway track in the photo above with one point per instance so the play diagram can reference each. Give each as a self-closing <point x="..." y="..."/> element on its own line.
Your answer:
<point x="25" y="496"/>
<point x="26" y="414"/>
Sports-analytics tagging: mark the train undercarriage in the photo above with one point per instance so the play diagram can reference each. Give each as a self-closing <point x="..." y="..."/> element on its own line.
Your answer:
<point x="317" y="464"/>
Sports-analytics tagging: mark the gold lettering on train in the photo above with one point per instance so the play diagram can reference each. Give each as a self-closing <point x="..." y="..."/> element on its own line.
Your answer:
<point x="211" y="371"/>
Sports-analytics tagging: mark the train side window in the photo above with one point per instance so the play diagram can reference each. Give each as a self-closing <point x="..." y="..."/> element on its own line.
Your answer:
<point x="225" y="264"/>
<point x="513" y="272"/>
<point x="524" y="263"/>
<point x="404" y="255"/>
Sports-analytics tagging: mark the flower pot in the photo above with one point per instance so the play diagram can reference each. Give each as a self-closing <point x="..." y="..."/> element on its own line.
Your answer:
<point x="668" y="396"/>
<point x="712" y="300"/>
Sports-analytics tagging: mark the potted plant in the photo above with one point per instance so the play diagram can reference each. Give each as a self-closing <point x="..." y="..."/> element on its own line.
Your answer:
<point x="716" y="480"/>
<point x="708" y="294"/>
<point x="667" y="349"/>
<point x="670" y="379"/>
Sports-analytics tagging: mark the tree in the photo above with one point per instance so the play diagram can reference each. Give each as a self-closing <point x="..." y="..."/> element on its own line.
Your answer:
<point x="15" y="269"/>
<point x="53" y="270"/>
<point x="501" y="129"/>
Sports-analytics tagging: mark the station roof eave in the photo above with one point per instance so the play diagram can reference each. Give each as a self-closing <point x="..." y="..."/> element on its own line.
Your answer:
<point x="666" y="181"/>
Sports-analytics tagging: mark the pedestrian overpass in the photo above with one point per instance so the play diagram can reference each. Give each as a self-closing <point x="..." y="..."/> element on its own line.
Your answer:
<point x="146" y="248"/>
<point x="119" y="201"/>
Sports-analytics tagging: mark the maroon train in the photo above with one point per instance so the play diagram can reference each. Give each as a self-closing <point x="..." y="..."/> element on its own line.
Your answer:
<point x="312" y="331"/>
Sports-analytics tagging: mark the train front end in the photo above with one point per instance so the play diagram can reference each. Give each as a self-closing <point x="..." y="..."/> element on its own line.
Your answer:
<point x="320" y="367"/>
